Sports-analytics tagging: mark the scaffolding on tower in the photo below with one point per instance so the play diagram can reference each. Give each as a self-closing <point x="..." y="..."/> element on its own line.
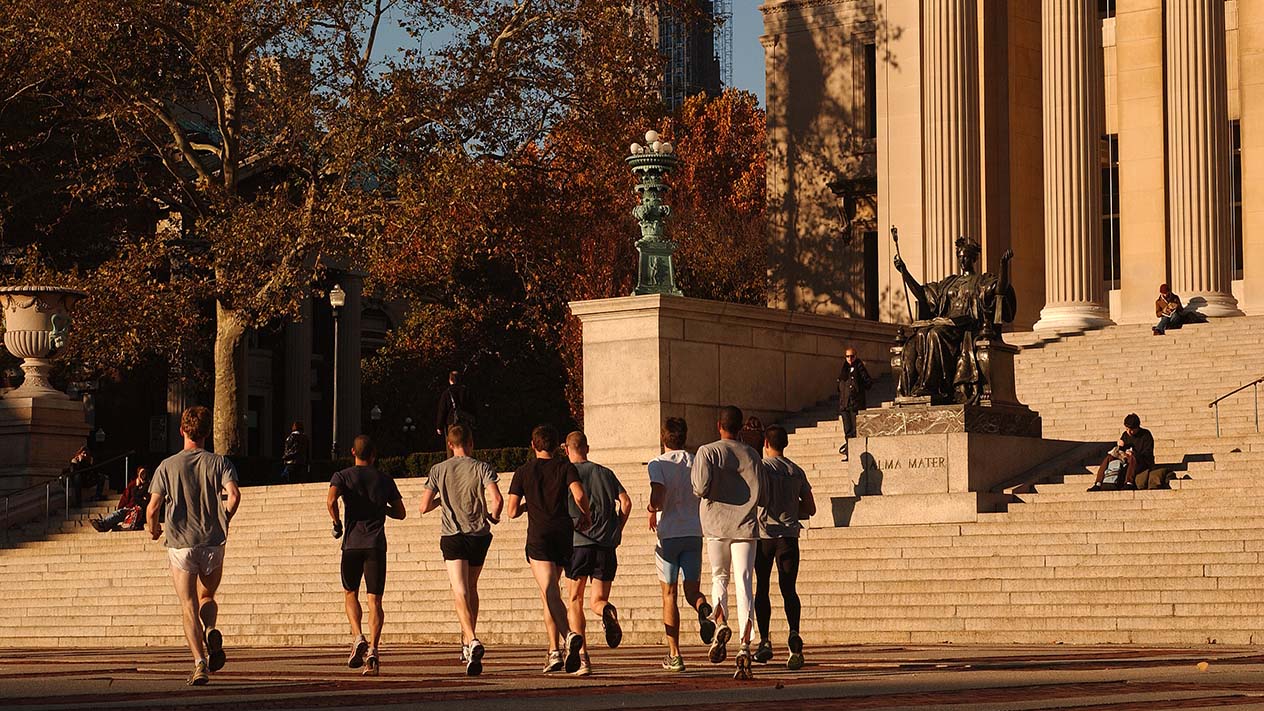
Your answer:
<point x="723" y="14"/>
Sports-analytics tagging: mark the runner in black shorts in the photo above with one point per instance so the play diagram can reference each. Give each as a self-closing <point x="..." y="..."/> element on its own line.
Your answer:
<point x="541" y="488"/>
<point x="593" y="557"/>
<point x="460" y="487"/>
<point x="368" y="496"/>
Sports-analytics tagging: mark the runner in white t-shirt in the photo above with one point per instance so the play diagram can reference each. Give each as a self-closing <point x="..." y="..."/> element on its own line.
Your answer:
<point x="673" y="513"/>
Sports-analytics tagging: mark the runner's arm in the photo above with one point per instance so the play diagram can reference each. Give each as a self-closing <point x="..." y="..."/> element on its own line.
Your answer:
<point x="807" y="506"/>
<point x="514" y="507"/>
<point x="429" y="501"/>
<point x="497" y="502"/>
<point x="151" y="515"/>
<point x="234" y="499"/>
<point x="581" y="500"/>
<point x="331" y="503"/>
<point x="625" y="509"/>
<point x="397" y="510"/>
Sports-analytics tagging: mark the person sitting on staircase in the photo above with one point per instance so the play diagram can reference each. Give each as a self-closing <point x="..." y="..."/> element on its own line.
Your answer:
<point x="130" y="514"/>
<point x="1134" y="451"/>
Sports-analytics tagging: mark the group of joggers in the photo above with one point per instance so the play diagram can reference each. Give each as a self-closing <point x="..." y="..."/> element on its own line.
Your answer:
<point x="745" y="508"/>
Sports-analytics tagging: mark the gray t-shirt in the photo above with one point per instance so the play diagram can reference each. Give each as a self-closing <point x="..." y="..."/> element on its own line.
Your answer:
<point x="603" y="489"/>
<point x="782" y="484"/>
<point x="725" y="476"/>
<point x="190" y="482"/>
<point x="460" y="483"/>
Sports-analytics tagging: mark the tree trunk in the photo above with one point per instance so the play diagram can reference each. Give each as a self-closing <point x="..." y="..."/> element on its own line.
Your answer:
<point x="230" y="387"/>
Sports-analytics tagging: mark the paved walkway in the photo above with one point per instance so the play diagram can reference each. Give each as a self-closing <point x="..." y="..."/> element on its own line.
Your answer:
<point x="856" y="677"/>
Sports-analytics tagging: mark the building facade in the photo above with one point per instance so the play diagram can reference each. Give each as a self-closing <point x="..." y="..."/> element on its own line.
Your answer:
<point x="1108" y="143"/>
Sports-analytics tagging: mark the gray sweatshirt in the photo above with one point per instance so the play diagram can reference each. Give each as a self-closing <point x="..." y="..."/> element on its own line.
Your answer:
<point x="725" y="476"/>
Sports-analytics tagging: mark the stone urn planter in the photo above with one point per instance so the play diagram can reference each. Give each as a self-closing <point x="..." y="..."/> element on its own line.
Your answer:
<point x="36" y="321"/>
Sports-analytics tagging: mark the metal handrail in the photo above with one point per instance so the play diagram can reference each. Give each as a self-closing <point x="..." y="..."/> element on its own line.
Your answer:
<point x="64" y="480"/>
<point x="1255" y="388"/>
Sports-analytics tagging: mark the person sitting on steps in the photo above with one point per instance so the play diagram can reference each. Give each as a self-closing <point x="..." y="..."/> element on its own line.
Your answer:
<point x="1135" y="451"/>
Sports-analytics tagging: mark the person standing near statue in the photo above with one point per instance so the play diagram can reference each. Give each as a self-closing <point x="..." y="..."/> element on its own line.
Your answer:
<point x="939" y="358"/>
<point x="853" y="382"/>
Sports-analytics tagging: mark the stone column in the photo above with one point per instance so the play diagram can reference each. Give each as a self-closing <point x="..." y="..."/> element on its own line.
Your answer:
<point x="1251" y="73"/>
<point x="298" y="368"/>
<point x="1198" y="157"/>
<point x="1074" y="116"/>
<point x="950" y="130"/>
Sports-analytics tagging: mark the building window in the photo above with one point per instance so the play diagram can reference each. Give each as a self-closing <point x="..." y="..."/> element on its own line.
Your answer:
<point x="1110" y="211"/>
<point x="1105" y="8"/>
<point x="871" y="91"/>
<point x="1235" y="180"/>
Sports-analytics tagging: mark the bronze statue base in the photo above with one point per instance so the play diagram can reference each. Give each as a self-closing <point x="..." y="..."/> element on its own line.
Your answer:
<point x="912" y="419"/>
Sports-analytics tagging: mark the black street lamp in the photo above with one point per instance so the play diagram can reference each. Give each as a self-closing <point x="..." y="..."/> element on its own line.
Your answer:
<point x="337" y="299"/>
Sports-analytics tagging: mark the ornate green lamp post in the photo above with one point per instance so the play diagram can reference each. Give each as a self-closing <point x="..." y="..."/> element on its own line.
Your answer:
<point x="651" y="163"/>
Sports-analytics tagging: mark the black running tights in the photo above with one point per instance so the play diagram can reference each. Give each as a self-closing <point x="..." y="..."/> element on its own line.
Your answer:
<point x="785" y="552"/>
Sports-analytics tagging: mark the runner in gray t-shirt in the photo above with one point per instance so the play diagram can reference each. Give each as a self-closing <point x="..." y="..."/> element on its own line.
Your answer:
<point x="188" y="485"/>
<point x="459" y="487"/>
<point x="593" y="551"/>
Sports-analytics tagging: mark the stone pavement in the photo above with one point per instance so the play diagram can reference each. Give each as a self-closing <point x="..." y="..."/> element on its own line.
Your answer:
<point x="885" y="678"/>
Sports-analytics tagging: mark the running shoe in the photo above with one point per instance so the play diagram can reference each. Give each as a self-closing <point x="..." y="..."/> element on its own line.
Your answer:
<point x="706" y="626"/>
<point x="610" y="622"/>
<point x="763" y="653"/>
<point x="744" y="671"/>
<point x="215" y="650"/>
<point x="371" y="664"/>
<point x="465" y="654"/>
<point x="199" y="677"/>
<point x="474" y="666"/>
<point x="720" y="646"/>
<point x="585" y="667"/>
<point x="674" y="664"/>
<point x="553" y="663"/>
<point x="574" y="642"/>
<point x="358" y="648"/>
<point x="795" y="643"/>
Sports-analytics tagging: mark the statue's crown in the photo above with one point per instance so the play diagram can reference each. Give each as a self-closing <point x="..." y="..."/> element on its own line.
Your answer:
<point x="968" y="245"/>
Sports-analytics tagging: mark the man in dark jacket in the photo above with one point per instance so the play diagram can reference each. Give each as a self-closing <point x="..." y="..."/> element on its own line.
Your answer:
<point x="455" y="405"/>
<point x="298" y="452"/>
<point x="853" y="381"/>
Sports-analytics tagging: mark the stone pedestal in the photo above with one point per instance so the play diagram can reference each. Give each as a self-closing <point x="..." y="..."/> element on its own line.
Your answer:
<point x="647" y="358"/>
<point x="1011" y="420"/>
<point x="945" y="475"/>
<point x="38" y="436"/>
<point x="940" y="463"/>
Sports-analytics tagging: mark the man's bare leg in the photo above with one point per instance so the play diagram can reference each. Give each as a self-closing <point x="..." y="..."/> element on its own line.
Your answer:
<point x="671" y="619"/>
<point x="575" y="609"/>
<point x="208" y="613"/>
<point x="376" y="617"/>
<point x="600" y="596"/>
<point x="471" y="596"/>
<point x="208" y="609"/>
<point x="186" y="584"/>
<point x="459" y="577"/>
<point x="546" y="576"/>
<point x="351" y="600"/>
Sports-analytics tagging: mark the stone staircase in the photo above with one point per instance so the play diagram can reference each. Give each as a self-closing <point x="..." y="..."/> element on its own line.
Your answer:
<point x="1179" y="566"/>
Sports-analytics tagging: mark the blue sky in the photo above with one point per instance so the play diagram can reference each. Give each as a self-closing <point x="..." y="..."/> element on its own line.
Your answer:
<point x="748" y="55"/>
